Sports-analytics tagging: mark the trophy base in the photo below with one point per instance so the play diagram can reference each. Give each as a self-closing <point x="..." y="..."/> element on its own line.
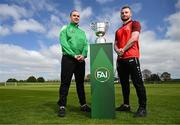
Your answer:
<point x="100" y="40"/>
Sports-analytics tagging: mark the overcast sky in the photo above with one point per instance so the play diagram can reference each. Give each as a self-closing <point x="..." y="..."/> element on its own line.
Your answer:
<point x="29" y="33"/>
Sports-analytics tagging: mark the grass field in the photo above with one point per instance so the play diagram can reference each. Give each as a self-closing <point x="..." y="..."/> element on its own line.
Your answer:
<point x="36" y="104"/>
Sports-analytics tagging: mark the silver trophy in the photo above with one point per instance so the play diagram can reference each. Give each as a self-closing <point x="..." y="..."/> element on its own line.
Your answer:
<point x="100" y="29"/>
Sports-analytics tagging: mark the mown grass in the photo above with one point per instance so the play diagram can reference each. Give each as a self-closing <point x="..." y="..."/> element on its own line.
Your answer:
<point x="36" y="104"/>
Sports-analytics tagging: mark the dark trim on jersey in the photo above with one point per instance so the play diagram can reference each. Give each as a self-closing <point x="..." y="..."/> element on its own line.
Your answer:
<point x="133" y="23"/>
<point x="127" y="23"/>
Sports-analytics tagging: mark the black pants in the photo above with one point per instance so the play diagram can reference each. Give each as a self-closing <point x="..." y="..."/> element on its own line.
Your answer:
<point x="70" y="66"/>
<point x="131" y="67"/>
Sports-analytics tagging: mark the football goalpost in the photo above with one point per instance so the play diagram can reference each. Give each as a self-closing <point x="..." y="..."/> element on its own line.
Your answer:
<point x="10" y="83"/>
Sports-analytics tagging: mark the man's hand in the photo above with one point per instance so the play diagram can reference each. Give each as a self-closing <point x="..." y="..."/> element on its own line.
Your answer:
<point x="76" y="57"/>
<point x="80" y="58"/>
<point x="120" y="52"/>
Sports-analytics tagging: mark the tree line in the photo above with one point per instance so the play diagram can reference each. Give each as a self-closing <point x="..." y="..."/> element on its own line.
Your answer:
<point x="149" y="76"/>
<point x="29" y="79"/>
<point x="146" y="73"/>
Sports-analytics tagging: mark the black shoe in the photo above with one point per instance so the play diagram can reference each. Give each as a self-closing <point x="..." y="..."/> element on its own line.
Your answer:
<point x="141" y="112"/>
<point x="123" y="107"/>
<point x="62" y="111"/>
<point x="85" y="108"/>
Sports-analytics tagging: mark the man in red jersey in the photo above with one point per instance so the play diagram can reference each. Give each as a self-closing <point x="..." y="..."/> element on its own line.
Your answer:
<point x="127" y="48"/>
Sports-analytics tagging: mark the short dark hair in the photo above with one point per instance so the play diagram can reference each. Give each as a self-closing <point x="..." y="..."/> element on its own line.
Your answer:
<point x="126" y="6"/>
<point x="72" y="12"/>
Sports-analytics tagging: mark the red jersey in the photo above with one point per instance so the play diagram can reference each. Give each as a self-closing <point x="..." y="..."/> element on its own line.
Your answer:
<point x="123" y="35"/>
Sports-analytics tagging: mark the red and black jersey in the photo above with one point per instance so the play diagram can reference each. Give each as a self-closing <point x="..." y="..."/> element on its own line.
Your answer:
<point x="122" y="36"/>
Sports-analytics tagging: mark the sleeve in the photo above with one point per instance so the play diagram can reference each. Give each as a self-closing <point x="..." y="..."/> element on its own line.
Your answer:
<point x="136" y="26"/>
<point x="64" y="43"/>
<point x="116" y="36"/>
<point x="85" y="50"/>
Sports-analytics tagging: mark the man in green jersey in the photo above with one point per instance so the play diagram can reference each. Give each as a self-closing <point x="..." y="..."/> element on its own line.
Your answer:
<point x="74" y="48"/>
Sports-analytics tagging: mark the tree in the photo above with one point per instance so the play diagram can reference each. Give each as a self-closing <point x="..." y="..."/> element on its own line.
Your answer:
<point x="165" y="76"/>
<point x="146" y="73"/>
<point x="31" y="79"/>
<point x="40" y="79"/>
<point x="154" y="77"/>
<point x="22" y="80"/>
<point x="11" y="80"/>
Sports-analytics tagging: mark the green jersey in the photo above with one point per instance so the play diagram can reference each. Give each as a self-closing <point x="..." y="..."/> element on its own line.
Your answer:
<point x="73" y="40"/>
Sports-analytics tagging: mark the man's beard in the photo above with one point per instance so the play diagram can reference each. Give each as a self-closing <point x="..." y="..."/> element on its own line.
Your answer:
<point x="124" y="20"/>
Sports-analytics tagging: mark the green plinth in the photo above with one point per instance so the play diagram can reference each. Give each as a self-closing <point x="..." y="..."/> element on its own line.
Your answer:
<point x="102" y="81"/>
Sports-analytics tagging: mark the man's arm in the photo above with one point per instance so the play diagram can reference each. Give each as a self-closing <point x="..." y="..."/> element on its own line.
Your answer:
<point x="134" y="38"/>
<point x="81" y="58"/>
<point x="116" y="49"/>
<point x="64" y="43"/>
<point x="83" y="55"/>
<point x="85" y="49"/>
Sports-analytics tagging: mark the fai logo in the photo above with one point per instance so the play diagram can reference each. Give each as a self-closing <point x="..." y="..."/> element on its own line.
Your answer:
<point x="102" y="74"/>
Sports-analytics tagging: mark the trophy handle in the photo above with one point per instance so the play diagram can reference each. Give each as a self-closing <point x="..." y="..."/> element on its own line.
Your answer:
<point x="107" y="24"/>
<point x="93" y="26"/>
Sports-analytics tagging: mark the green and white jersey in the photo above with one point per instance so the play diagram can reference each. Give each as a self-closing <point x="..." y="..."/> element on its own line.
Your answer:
<point x="73" y="40"/>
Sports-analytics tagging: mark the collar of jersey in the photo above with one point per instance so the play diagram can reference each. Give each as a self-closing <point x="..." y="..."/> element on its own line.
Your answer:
<point x="127" y="22"/>
<point x="73" y="24"/>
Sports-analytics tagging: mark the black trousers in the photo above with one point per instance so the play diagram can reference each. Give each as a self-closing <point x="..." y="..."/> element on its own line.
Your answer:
<point x="70" y="66"/>
<point x="131" y="67"/>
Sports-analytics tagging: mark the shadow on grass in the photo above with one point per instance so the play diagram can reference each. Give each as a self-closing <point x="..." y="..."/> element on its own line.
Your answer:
<point x="77" y="110"/>
<point x="70" y="108"/>
<point x="52" y="105"/>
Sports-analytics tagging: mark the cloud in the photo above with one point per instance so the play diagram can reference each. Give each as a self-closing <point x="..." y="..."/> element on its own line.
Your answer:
<point x="22" y="26"/>
<point x="177" y="5"/>
<point x="104" y="1"/>
<point x="161" y="29"/>
<point x="20" y="56"/>
<point x="53" y="33"/>
<point x="13" y="11"/>
<point x="159" y="55"/>
<point x="4" y="31"/>
<point x="136" y="8"/>
<point x="53" y="51"/>
<point x="54" y="26"/>
<point x="84" y="13"/>
<point x="173" y="30"/>
<point x="42" y="5"/>
<point x="21" y="63"/>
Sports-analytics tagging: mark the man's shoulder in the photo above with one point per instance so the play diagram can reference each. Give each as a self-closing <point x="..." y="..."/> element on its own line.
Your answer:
<point x="81" y="30"/>
<point x="63" y="28"/>
<point x="119" y="28"/>
<point x="136" y="26"/>
<point x="135" y="22"/>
